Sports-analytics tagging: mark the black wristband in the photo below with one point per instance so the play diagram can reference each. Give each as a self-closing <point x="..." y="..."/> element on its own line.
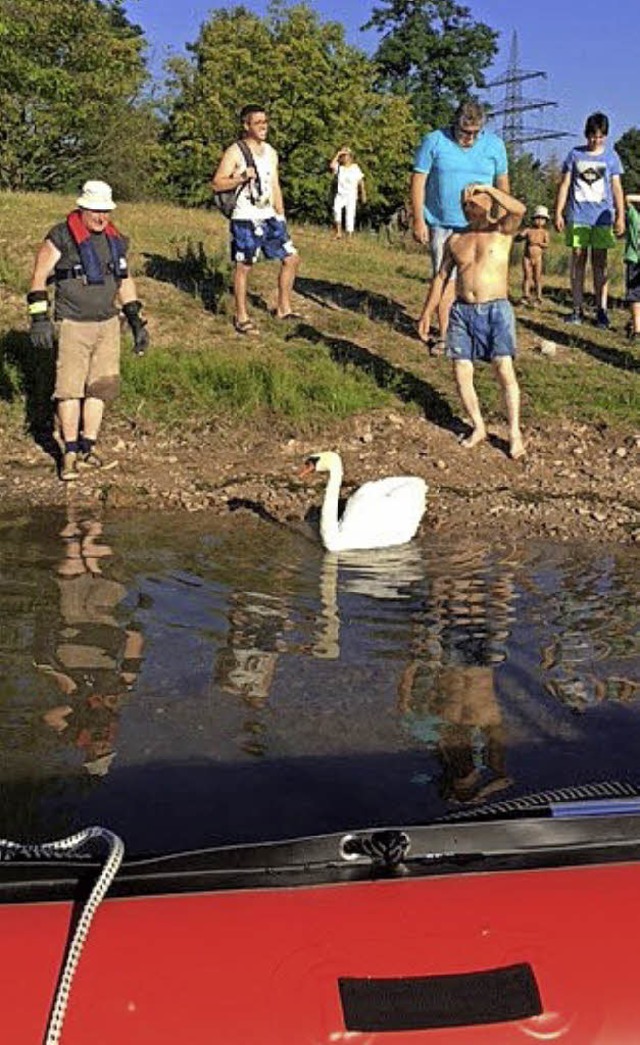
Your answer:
<point x="132" y="308"/>
<point x="37" y="295"/>
<point x="132" y="311"/>
<point x="38" y="305"/>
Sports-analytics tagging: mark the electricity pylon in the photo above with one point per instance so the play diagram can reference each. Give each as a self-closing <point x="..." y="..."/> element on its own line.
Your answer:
<point x="514" y="130"/>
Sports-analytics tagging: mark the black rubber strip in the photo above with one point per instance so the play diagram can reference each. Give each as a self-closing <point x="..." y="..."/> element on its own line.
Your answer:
<point x="425" y="1002"/>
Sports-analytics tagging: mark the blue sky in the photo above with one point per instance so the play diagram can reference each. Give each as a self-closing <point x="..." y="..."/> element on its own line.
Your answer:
<point x="587" y="48"/>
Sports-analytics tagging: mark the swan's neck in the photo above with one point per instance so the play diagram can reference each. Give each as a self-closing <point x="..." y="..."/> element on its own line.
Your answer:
<point x="329" y="526"/>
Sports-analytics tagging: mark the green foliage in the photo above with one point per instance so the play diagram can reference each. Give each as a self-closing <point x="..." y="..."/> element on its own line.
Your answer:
<point x="319" y="93"/>
<point x="628" y="147"/>
<point x="71" y="77"/>
<point x="532" y="181"/>
<point x="432" y="52"/>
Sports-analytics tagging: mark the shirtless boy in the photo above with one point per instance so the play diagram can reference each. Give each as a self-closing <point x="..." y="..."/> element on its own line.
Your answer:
<point x="536" y="241"/>
<point x="481" y="324"/>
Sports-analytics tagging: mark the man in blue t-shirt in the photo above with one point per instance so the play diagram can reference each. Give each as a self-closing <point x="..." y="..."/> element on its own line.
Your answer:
<point x="446" y="161"/>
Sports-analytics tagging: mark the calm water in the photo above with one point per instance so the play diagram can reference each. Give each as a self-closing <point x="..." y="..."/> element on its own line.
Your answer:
<point x="197" y="682"/>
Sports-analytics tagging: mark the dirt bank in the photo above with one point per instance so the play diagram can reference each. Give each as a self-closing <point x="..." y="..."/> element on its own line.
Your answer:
<point x="576" y="482"/>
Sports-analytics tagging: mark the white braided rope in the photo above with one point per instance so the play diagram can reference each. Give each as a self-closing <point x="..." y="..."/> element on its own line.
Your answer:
<point x="74" y="844"/>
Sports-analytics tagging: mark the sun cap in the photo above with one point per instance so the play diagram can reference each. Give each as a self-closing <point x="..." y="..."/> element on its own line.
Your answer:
<point x="541" y="212"/>
<point x="96" y="195"/>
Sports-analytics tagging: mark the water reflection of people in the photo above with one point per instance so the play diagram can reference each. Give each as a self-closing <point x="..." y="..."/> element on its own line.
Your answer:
<point x="461" y="708"/>
<point x="447" y="692"/>
<point x="246" y="665"/>
<point x="588" y="651"/>
<point x="96" y="661"/>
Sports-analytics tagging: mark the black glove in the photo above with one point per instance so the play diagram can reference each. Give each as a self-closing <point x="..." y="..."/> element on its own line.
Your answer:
<point x="138" y="326"/>
<point x="41" y="333"/>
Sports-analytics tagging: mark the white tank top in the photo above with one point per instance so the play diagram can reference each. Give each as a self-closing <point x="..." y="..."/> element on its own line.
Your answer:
<point x="250" y="206"/>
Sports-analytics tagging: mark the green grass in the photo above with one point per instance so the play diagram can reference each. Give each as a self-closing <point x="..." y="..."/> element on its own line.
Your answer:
<point x="355" y="351"/>
<point x="171" y="386"/>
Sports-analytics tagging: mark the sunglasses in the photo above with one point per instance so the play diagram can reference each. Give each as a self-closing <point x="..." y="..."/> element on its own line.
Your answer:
<point x="467" y="132"/>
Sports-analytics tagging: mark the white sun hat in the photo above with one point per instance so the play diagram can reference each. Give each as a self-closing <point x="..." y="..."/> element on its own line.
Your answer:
<point x="541" y="212"/>
<point x="96" y="195"/>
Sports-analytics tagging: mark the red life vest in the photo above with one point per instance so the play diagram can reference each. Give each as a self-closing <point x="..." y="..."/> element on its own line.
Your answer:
<point x="92" y="270"/>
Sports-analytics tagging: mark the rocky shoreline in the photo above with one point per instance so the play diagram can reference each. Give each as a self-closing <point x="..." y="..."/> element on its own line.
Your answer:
<point x="576" y="482"/>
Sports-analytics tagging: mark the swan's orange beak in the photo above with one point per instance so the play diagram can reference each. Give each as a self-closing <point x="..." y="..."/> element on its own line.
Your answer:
<point x="308" y="468"/>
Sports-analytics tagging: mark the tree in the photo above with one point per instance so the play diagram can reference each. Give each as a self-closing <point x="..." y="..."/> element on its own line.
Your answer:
<point x="319" y="93"/>
<point x="532" y="181"/>
<point x="433" y="52"/>
<point x="628" y="148"/>
<point x="72" y="75"/>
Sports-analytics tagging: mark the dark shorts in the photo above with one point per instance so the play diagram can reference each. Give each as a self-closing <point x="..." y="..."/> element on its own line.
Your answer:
<point x="483" y="331"/>
<point x="249" y="238"/>
<point x="632" y="281"/>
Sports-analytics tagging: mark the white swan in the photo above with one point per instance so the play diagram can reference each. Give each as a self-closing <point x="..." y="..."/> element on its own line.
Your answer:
<point x="378" y="515"/>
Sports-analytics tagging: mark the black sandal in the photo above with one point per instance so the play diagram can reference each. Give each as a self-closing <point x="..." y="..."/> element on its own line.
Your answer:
<point x="246" y="326"/>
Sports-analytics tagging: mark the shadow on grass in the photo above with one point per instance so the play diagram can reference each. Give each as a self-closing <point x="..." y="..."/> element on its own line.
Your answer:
<point x="193" y="270"/>
<point x="407" y="386"/>
<point x="29" y="372"/>
<point x="376" y="307"/>
<point x="620" y="358"/>
<point x="562" y="296"/>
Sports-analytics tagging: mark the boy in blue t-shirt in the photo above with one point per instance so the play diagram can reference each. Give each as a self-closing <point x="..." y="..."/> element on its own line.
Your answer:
<point x="590" y="211"/>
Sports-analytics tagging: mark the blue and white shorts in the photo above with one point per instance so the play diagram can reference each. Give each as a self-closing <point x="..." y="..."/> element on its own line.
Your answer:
<point x="249" y="238"/>
<point x="482" y="331"/>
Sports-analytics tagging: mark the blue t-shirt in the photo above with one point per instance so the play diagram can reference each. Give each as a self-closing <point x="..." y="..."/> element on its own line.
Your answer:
<point x="590" y="199"/>
<point x="450" y="167"/>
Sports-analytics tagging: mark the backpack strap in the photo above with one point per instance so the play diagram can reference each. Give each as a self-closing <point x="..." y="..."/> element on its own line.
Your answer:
<point x="249" y="159"/>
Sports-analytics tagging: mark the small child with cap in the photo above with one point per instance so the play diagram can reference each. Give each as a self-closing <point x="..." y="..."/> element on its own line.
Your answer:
<point x="536" y="241"/>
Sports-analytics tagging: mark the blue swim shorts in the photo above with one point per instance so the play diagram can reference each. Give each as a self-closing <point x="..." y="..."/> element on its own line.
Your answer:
<point x="271" y="237"/>
<point x="483" y="331"/>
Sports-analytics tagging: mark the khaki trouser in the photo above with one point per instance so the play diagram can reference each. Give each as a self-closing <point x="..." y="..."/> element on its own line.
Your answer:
<point x="88" y="360"/>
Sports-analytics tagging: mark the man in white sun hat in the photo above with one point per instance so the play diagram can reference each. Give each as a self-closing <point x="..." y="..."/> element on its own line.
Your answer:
<point x="85" y="257"/>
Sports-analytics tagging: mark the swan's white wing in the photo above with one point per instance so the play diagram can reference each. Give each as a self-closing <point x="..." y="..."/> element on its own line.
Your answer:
<point x="383" y="512"/>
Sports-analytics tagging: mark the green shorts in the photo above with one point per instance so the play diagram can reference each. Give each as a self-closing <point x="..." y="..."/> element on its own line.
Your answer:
<point x="601" y="237"/>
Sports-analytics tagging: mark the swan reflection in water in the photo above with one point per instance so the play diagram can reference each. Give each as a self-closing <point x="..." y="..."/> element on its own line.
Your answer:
<point x="383" y="573"/>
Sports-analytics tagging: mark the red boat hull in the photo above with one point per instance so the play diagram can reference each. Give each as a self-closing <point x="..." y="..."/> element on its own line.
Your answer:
<point x="262" y="967"/>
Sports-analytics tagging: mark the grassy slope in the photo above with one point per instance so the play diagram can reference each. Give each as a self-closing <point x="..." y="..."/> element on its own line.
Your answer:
<point x="354" y="351"/>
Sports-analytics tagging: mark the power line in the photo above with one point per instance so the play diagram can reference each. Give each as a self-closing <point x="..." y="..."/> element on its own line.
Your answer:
<point x="515" y="103"/>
